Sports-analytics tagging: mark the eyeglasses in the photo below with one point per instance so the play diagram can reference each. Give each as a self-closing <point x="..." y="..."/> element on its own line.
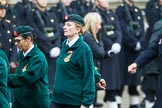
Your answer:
<point x="17" y="41"/>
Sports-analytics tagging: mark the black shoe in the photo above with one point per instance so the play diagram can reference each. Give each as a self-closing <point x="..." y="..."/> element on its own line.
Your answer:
<point x="119" y="105"/>
<point x="143" y="103"/>
<point x="134" y="106"/>
<point x="97" y="104"/>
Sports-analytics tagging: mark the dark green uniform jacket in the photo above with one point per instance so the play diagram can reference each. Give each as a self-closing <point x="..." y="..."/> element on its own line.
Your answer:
<point x="4" y="56"/>
<point x="4" y="94"/>
<point x="74" y="82"/>
<point x="30" y="81"/>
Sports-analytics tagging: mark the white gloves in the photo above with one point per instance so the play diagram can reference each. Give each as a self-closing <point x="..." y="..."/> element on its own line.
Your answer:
<point x="110" y="53"/>
<point x="138" y="46"/>
<point x="55" y="52"/>
<point x="116" y="47"/>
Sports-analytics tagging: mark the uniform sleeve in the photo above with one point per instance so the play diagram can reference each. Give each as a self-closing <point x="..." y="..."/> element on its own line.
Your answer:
<point x="97" y="50"/>
<point x="147" y="56"/>
<point x="32" y="74"/>
<point x="97" y="76"/>
<point x="88" y="82"/>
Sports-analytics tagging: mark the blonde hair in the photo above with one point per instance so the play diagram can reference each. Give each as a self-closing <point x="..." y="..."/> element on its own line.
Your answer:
<point x="91" y="19"/>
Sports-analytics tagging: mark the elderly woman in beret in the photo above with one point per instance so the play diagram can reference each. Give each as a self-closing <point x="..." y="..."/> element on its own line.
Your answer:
<point x="74" y="83"/>
<point x="30" y="82"/>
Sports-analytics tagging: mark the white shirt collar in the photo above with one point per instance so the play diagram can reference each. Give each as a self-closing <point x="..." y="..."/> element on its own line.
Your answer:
<point x="72" y="41"/>
<point x="28" y="50"/>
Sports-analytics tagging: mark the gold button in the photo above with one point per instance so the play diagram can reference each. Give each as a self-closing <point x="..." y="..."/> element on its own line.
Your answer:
<point x="8" y="32"/>
<point x="10" y="40"/>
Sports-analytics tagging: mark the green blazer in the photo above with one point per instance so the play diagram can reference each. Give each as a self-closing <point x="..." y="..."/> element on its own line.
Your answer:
<point x="4" y="94"/>
<point x="30" y="82"/>
<point x="4" y="56"/>
<point x="74" y="82"/>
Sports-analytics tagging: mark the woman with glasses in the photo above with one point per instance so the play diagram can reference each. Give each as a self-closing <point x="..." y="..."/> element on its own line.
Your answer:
<point x="30" y="81"/>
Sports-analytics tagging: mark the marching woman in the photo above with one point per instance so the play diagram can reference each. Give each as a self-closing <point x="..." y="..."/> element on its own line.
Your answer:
<point x="74" y="83"/>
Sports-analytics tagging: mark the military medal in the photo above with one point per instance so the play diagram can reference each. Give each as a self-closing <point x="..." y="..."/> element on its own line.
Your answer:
<point x="24" y="68"/>
<point x="67" y="58"/>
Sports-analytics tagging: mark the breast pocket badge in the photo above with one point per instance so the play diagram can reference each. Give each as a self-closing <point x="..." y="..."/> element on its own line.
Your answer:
<point x="24" y="68"/>
<point x="67" y="58"/>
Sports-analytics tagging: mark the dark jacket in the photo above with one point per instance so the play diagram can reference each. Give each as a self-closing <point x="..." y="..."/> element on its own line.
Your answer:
<point x="96" y="47"/>
<point x="152" y="52"/>
<point x="7" y="40"/>
<point x="110" y="34"/>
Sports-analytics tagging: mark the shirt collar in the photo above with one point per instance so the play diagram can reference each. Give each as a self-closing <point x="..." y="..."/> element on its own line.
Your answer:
<point x="28" y="50"/>
<point x="72" y="41"/>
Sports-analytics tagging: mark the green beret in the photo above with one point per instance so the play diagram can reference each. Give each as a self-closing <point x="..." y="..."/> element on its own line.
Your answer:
<point x="3" y="4"/>
<point x="74" y="18"/>
<point x="23" y="31"/>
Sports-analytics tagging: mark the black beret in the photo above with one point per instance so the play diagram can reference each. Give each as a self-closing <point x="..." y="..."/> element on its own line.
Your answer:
<point x="3" y="4"/>
<point x="23" y="31"/>
<point x="74" y="18"/>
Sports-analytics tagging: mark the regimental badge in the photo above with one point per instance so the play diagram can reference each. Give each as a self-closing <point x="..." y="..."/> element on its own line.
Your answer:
<point x="67" y="58"/>
<point x="24" y="68"/>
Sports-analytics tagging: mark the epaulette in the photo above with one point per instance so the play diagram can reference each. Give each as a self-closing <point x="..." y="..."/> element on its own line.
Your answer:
<point x="7" y="20"/>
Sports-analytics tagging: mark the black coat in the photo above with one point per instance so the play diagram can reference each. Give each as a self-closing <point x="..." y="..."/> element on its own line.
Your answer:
<point x="96" y="47"/>
<point x="7" y="41"/>
<point x="152" y="52"/>
<point x="12" y="15"/>
<point x="153" y="12"/>
<point x="82" y="6"/>
<point x="47" y="34"/>
<point x="110" y="34"/>
<point x="131" y="22"/>
<point x="39" y="21"/>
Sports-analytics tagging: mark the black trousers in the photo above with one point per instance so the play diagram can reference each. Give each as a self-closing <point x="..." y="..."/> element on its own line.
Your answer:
<point x="56" y="105"/>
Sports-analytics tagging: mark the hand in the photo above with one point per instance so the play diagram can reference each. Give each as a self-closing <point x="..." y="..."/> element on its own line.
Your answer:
<point x="83" y="106"/>
<point x="12" y="66"/>
<point x="101" y="84"/>
<point x="132" y="68"/>
<point x="55" y="52"/>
